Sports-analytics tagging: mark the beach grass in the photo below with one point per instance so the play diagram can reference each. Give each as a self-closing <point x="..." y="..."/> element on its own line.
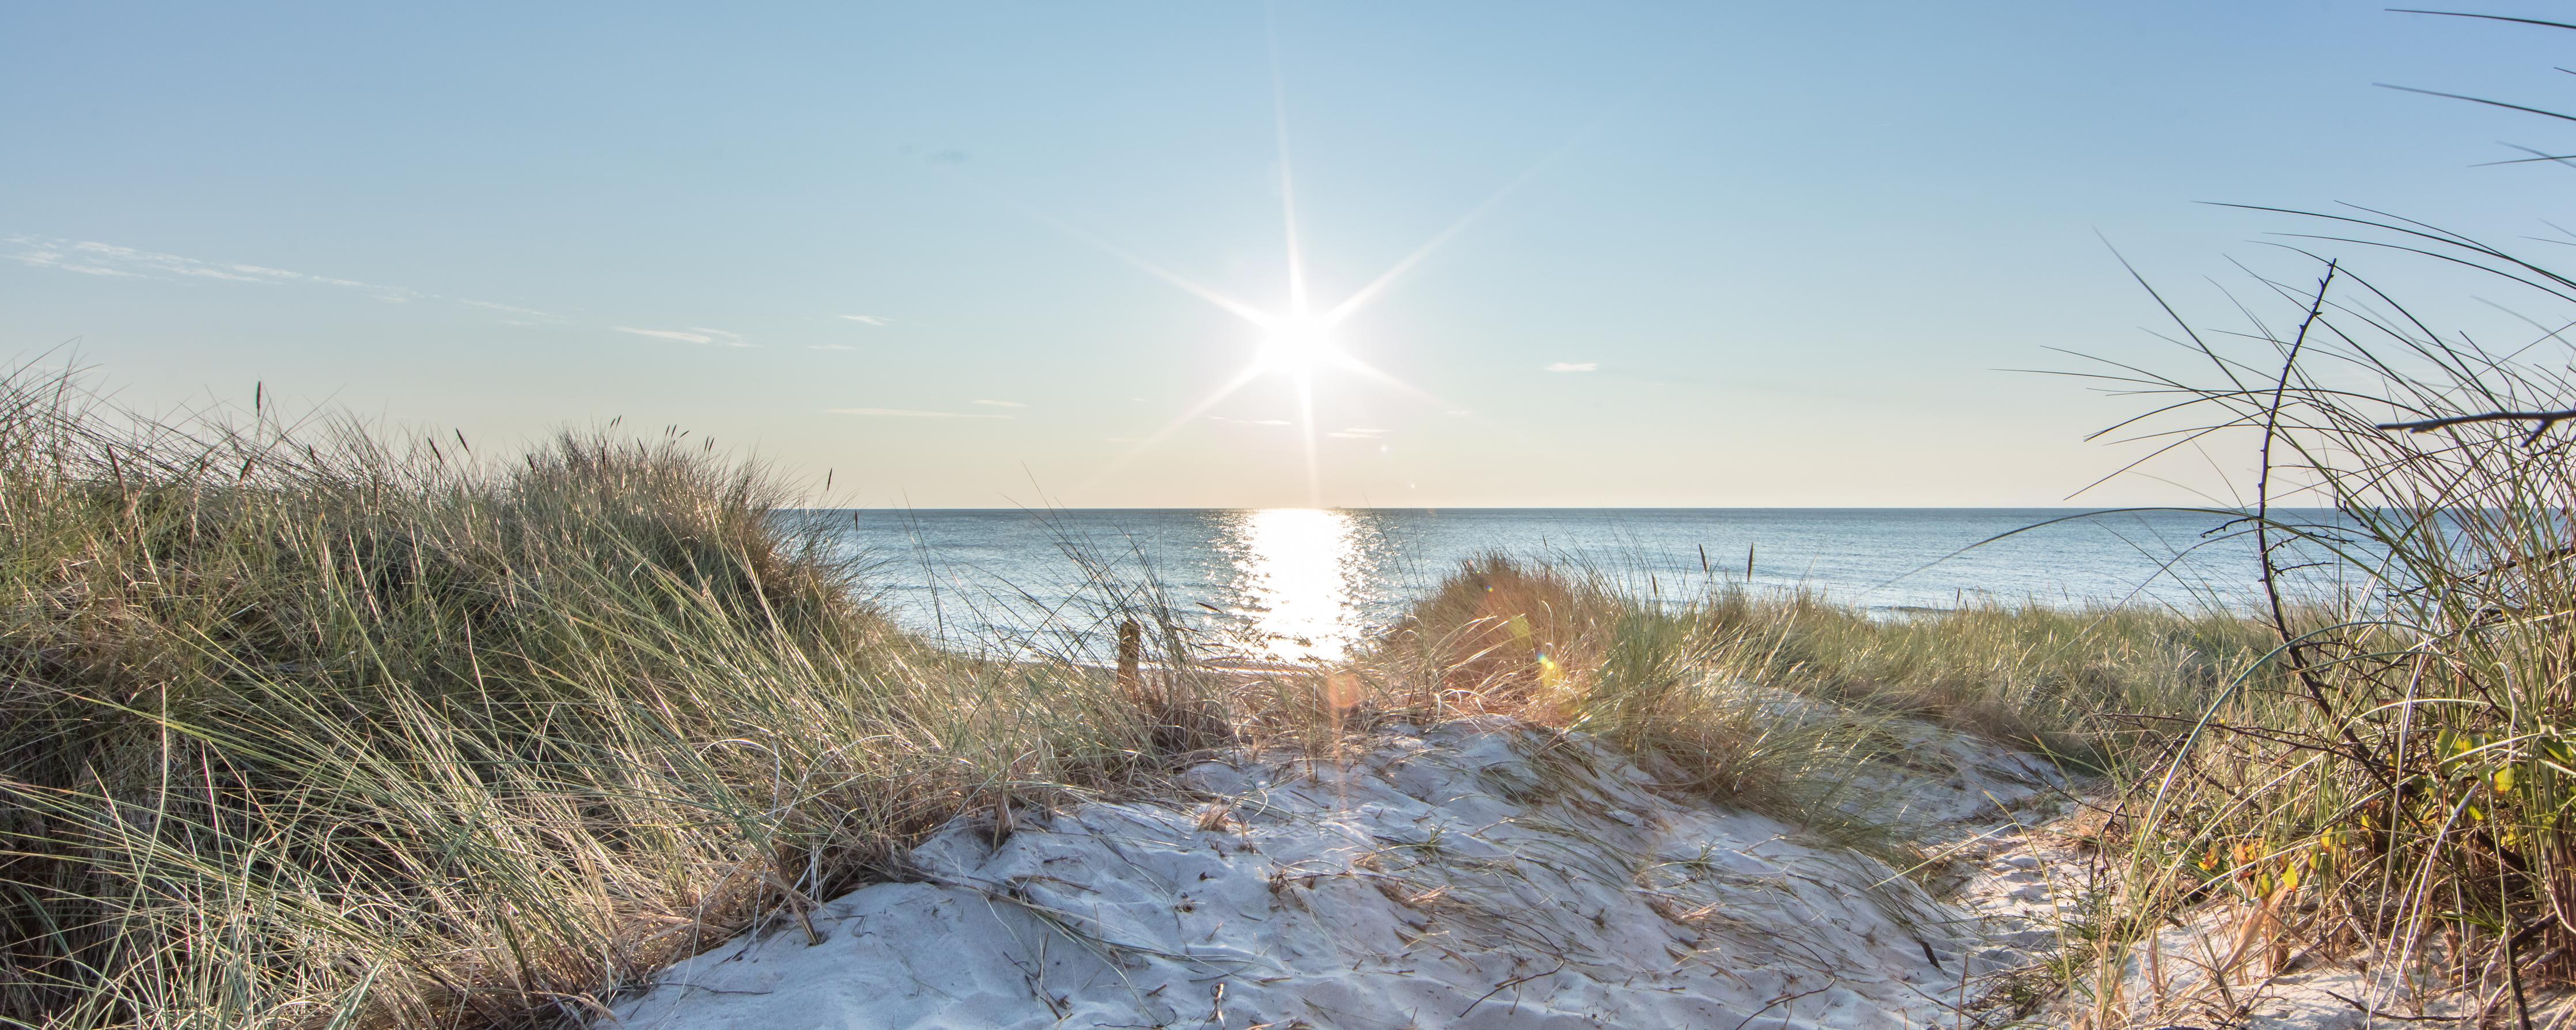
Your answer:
<point x="2393" y="783"/>
<point x="319" y="725"/>
<point x="314" y="723"/>
<point x="324" y="725"/>
<point x="1703" y="678"/>
<point x="2395" y="776"/>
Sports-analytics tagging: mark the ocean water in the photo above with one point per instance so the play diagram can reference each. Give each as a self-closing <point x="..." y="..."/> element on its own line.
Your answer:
<point x="1297" y="584"/>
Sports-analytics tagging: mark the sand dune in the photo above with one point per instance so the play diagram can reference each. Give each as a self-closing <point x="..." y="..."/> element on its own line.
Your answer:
<point x="1477" y="874"/>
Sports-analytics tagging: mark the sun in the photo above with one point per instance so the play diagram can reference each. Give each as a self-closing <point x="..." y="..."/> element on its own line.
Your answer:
<point x="1296" y="346"/>
<point x="1300" y="344"/>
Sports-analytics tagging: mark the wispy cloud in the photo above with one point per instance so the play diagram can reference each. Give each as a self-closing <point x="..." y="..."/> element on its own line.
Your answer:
<point x="695" y="334"/>
<point x="909" y="413"/>
<point x="1252" y="421"/>
<point x="829" y="346"/>
<point x="1357" y="433"/>
<point x="667" y="334"/>
<point x="1458" y="412"/>
<point x="999" y="404"/>
<point x="268" y="274"/>
<point x="868" y="319"/>
<point x="1574" y="366"/>
<point x="90" y="257"/>
<point x="56" y="259"/>
<point x="506" y="309"/>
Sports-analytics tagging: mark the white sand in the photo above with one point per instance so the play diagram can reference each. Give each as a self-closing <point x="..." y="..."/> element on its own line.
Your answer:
<point x="1484" y="874"/>
<point x="2203" y="969"/>
<point x="1477" y="874"/>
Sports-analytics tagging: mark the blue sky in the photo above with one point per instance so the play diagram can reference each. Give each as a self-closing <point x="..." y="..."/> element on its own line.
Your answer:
<point x="1776" y="254"/>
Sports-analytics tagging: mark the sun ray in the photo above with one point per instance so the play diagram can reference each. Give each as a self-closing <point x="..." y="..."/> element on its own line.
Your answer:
<point x="1387" y="278"/>
<point x="1306" y="418"/>
<point x="1384" y="378"/>
<point x="1393" y="272"/>
<point x="1297" y="344"/>
<point x="1287" y="176"/>
<point x="1228" y="389"/>
<point x="1238" y="308"/>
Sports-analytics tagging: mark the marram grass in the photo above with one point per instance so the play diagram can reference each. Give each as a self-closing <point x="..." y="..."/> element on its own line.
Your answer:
<point x="309" y="730"/>
<point x="329" y="727"/>
<point x="2396" y="774"/>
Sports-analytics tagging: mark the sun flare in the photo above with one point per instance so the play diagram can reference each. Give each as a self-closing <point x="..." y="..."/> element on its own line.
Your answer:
<point x="1299" y="343"/>
<point x="1296" y="347"/>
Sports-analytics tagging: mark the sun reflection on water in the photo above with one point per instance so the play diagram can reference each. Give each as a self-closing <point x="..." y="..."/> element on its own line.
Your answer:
<point x="1294" y="578"/>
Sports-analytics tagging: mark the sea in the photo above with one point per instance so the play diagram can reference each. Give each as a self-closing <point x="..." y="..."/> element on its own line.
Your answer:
<point x="1307" y="584"/>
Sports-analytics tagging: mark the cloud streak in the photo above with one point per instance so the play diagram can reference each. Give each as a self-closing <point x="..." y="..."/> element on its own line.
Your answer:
<point x="90" y="257"/>
<point x="667" y="334"/>
<point x="999" y="404"/>
<point x="108" y="260"/>
<point x="55" y="259"/>
<point x="506" y="309"/>
<point x="696" y="334"/>
<point x="909" y="413"/>
<point x="1574" y="366"/>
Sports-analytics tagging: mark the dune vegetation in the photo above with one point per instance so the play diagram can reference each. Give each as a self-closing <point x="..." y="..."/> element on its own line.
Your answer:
<point x="308" y="722"/>
<point x="2396" y="773"/>
<point x="306" y="725"/>
<point x="314" y="724"/>
<point x="2393" y="781"/>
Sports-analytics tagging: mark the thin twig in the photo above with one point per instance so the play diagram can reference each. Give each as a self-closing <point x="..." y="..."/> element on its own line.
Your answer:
<point x="2544" y="420"/>
<point x="2294" y="645"/>
<point x="1507" y="984"/>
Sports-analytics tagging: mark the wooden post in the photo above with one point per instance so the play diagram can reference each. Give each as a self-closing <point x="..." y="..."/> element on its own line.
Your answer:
<point x="1131" y="649"/>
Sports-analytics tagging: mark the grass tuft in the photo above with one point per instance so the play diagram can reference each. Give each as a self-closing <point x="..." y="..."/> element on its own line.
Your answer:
<point x="316" y="725"/>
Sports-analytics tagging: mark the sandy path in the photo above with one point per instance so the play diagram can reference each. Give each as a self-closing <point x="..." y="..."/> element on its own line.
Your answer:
<point x="1478" y="874"/>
